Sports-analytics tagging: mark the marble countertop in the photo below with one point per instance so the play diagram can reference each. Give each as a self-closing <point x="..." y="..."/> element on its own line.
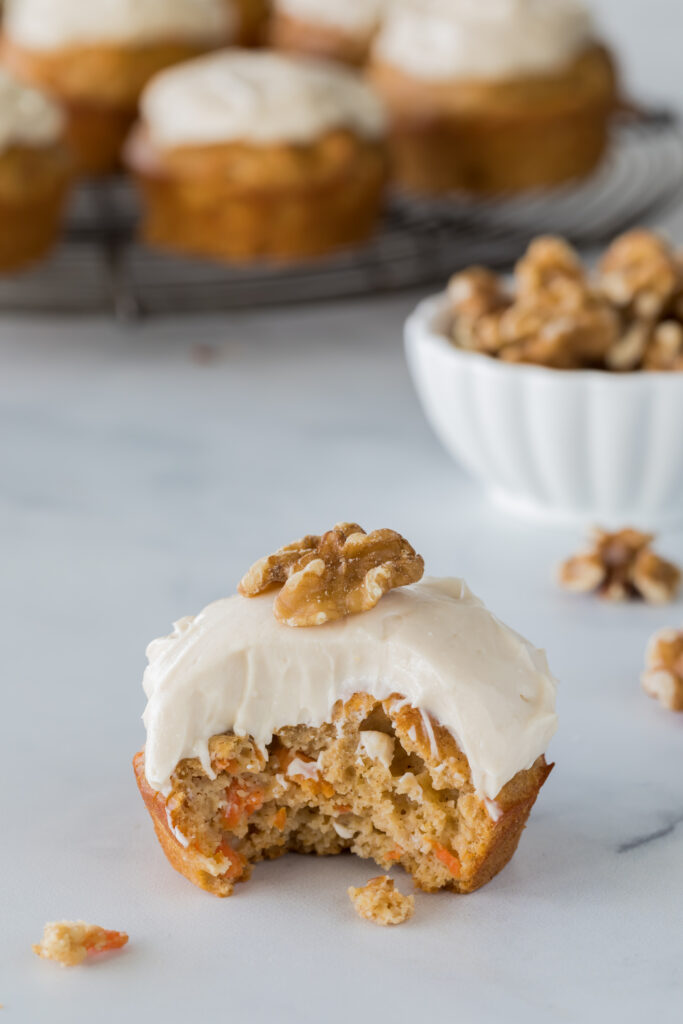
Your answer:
<point x="142" y="471"/>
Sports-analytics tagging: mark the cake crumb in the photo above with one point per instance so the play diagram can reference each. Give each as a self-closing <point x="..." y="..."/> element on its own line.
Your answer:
<point x="381" y="902"/>
<point x="70" y="942"/>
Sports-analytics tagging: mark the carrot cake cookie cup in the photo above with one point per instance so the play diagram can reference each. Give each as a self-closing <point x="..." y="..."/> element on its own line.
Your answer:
<point x="248" y="155"/>
<point x="339" y="29"/>
<point x="35" y="172"/>
<point x="493" y="99"/>
<point x="340" y="702"/>
<point x="97" y="57"/>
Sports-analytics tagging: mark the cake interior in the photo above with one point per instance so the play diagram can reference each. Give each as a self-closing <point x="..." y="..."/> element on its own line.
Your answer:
<point x="381" y="779"/>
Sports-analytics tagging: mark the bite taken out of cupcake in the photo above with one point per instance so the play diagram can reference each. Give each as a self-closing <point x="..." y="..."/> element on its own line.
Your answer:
<point x="340" y="702"/>
<point x="96" y="57"/>
<point x="493" y="96"/>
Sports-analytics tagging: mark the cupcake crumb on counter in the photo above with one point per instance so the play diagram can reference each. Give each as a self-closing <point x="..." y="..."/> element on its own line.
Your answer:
<point x="381" y="902"/>
<point x="70" y="942"/>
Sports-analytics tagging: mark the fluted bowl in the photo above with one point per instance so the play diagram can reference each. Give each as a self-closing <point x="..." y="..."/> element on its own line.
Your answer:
<point x="563" y="444"/>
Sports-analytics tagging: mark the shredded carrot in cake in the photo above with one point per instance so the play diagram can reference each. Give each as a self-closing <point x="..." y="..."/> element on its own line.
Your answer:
<point x="236" y="861"/>
<point x="447" y="858"/>
<point x="241" y="803"/>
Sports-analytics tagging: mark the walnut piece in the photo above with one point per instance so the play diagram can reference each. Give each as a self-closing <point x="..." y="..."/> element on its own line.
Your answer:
<point x="620" y="566"/>
<point x="665" y="347"/>
<point x="551" y="267"/>
<point x="343" y="572"/>
<point x="475" y="292"/>
<point x="663" y="675"/>
<point x="640" y="273"/>
<point x="381" y="902"/>
<point x="70" y="942"/>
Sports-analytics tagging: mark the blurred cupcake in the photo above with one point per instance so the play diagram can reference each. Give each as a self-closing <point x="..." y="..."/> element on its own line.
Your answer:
<point x="97" y="55"/>
<point x="493" y="95"/>
<point x="34" y="173"/>
<point x="243" y="155"/>
<point x="340" y="29"/>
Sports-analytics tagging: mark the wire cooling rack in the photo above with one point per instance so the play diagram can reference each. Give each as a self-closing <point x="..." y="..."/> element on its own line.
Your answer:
<point x="99" y="266"/>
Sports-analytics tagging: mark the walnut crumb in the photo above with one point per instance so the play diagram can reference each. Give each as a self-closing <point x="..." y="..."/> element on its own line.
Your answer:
<point x="663" y="675"/>
<point x="342" y="572"/>
<point x="381" y="902"/>
<point x="620" y="566"/>
<point x="70" y="942"/>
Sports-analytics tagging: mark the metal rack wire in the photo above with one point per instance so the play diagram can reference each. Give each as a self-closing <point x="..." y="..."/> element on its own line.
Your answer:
<point x="99" y="266"/>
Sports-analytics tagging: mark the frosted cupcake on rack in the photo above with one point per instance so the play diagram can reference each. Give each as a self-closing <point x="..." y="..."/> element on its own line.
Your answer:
<point x="35" y="170"/>
<point x="493" y="95"/>
<point x="96" y="57"/>
<point x="245" y="155"/>
<point x="339" y="29"/>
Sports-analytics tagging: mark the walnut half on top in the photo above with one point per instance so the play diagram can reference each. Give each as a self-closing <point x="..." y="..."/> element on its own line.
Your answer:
<point x="620" y="566"/>
<point x="342" y="572"/>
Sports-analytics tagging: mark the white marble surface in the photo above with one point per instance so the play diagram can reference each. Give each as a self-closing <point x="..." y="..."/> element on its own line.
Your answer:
<point x="137" y="484"/>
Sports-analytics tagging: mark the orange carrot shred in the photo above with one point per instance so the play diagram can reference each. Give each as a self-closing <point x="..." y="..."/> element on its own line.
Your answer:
<point x="447" y="858"/>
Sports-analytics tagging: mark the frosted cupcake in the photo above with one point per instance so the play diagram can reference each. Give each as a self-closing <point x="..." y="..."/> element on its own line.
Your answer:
<point x="246" y="155"/>
<point x="96" y="57"/>
<point x="35" y="169"/>
<point x="340" y="29"/>
<point x="339" y="702"/>
<point x="493" y="95"/>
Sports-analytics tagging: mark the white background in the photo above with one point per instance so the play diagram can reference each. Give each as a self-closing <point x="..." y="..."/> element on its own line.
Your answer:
<point x="136" y="485"/>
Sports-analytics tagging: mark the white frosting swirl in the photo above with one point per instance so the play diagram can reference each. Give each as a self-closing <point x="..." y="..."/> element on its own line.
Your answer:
<point x="27" y="116"/>
<point x="56" y="24"/>
<point x="353" y="17"/>
<point x="444" y="39"/>
<point x="259" y="97"/>
<point x="234" y="666"/>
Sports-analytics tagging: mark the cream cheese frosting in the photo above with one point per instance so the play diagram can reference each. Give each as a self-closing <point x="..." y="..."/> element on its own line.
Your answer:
<point x="235" y="667"/>
<point x="55" y="24"/>
<point x="353" y="17"/>
<point x="258" y="97"/>
<point x="445" y="39"/>
<point x="27" y="116"/>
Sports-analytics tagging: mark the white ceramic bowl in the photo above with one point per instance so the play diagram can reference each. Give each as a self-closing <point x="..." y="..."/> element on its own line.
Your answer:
<point x="565" y="444"/>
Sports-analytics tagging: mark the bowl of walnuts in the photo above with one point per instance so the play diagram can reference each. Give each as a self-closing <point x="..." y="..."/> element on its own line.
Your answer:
<point x="561" y="389"/>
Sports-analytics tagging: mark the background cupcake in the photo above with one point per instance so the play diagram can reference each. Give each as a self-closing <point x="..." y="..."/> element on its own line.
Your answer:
<point x="97" y="57"/>
<point x="493" y="96"/>
<point x="34" y="172"/>
<point x="341" y="29"/>
<point x="246" y="154"/>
